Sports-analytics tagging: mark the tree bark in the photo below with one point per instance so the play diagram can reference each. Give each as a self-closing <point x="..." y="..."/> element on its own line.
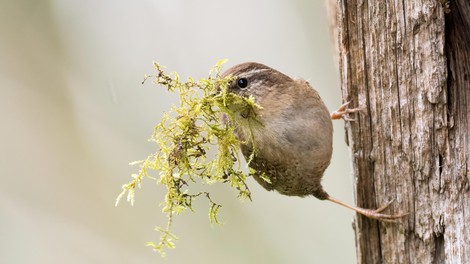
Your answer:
<point x="408" y="63"/>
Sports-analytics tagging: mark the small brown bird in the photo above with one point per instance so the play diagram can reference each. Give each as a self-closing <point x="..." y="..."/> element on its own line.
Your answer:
<point x="293" y="146"/>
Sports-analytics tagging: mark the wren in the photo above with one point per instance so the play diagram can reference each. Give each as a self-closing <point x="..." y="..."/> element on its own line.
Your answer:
<point x="293" y="145"/>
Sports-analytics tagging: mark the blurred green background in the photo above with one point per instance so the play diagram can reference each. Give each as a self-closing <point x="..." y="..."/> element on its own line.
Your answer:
<point x="74" y="114"/>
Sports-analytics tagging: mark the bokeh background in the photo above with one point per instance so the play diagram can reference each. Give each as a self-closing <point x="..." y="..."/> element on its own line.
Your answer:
<point x="74" y="114"/>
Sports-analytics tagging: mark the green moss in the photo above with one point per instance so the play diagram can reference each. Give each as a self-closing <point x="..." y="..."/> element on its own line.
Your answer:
<point x="185" y="136"/>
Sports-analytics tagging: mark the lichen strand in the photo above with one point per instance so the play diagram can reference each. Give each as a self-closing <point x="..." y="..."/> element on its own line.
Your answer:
<point x="185" y="136"/>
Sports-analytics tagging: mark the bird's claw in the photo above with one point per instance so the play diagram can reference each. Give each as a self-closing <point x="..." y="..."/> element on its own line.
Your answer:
<point x="371" y="213"/>
<point x="378" y="215"/>
<point x="343" y="112"/>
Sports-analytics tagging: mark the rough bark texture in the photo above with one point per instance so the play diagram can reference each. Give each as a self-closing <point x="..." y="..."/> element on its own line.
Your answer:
<point x="408" y="63"/>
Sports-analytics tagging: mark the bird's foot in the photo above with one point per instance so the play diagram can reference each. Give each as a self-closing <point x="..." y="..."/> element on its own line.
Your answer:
<point x="378" y="215"/>
<point x="371" y="213"/>
<point x="343" y="112"/>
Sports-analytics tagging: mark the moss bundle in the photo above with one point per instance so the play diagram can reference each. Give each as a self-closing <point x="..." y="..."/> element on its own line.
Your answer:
<point x="184" y="137"/>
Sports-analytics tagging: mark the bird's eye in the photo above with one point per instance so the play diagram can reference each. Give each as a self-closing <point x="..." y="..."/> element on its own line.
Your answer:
<point x="242" y="83"/>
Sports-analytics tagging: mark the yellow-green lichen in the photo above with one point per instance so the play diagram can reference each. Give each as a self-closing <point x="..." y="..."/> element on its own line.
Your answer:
<point x="185" y="136"/>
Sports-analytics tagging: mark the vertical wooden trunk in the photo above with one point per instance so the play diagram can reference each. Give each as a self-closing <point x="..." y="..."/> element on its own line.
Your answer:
<point x="408" y="63"/>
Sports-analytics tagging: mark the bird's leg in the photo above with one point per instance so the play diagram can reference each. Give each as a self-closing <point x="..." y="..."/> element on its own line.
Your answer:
<point x="343" y="111"/>
<point x="374" y="214"/>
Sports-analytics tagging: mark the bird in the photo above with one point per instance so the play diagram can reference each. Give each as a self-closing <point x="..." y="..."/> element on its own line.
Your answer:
<point x="292" y="147"/>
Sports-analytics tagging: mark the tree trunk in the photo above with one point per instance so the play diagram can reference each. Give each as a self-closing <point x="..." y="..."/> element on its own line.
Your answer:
<point x="408" y="63"/>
